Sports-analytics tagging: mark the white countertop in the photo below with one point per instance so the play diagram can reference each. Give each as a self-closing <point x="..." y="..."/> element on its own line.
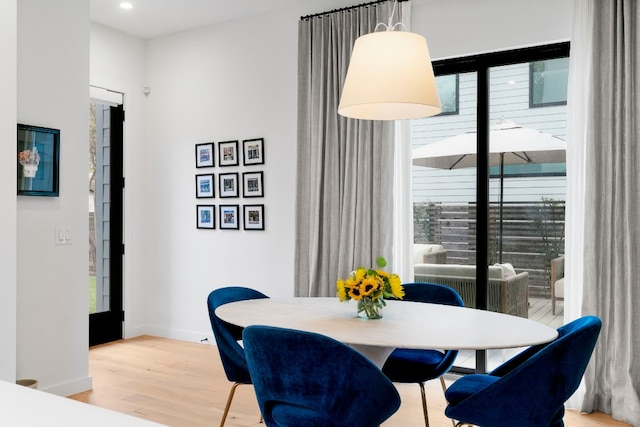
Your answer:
<point x="26" y="407"/>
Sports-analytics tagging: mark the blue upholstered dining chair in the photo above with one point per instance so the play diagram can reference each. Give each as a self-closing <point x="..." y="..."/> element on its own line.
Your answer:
<point x="227" y="337"/>
<point x="530" y="389"/>
<point x="307" y="379"/>
<point x="419" y="366"/>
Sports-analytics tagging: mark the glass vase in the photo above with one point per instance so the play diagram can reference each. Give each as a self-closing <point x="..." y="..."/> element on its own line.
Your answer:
<point x="370" y="308"/>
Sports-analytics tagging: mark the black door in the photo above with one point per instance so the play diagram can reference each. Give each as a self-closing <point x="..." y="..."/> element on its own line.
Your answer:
<point x="106" y="314"/>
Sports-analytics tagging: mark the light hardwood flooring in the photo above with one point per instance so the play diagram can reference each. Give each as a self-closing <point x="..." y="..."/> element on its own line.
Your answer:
<point x="182" y="384"/>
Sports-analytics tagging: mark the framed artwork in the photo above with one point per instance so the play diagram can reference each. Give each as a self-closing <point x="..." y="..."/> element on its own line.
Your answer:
<point x="252" y="184"/>
<point x="228" y="184"/>
<point x="228" y="153"/>
<point x="253" y="216"/>
<point x="253" y="151"/>
<point x="229" y="217"/>
<point x="205" y="155"/>
<point x="206" y="217"/>
<point x="205" y="186"/>
<point x="38" y="160"/>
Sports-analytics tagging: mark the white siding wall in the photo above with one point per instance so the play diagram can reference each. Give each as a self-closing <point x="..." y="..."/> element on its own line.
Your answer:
<point x="508" y="101"/>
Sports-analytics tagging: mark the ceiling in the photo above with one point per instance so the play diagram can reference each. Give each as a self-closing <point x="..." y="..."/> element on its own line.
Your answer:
<point x="153" y="18"/>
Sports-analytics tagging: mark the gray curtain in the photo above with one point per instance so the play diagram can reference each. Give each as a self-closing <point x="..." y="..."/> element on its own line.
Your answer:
<point x="344" y="198"/>
<point x="612" y="216"/>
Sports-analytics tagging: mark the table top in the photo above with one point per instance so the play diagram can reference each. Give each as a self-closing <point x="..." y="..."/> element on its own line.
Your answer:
<point x="405" y="324"/>
<point x="23" y="406"/>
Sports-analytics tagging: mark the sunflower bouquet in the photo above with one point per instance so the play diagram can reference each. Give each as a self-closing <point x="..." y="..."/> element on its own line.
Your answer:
<point x="370" y="287"/>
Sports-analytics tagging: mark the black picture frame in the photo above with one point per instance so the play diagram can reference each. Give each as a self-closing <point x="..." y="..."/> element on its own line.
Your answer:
<point x="228" y="183"/>
<point x="38" y="158"/>
<point x="205" y="186"/>
<point x="229" y="217"/>
<point x="252" y="184"/>
<point x="228" y="153"/>
<point x="253" y="151"/>
<point x="206" y="217"/>
<point x="253" y="217"/>
<point x="205" y="155"/>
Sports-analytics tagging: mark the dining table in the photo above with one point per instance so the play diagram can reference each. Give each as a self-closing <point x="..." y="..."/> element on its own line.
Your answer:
<point x="405" y="324"/>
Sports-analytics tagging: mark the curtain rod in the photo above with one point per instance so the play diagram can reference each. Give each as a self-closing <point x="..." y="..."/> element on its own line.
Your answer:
<point x="343" y="9"/>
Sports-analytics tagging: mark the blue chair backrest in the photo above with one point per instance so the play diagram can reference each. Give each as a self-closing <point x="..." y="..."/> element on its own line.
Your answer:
<point x="533" y="388"/>
<point x="433" y="293"/>
<point x="308" y="379"/>
<point x="227" y="335"/>
<point x="436" y="294"/>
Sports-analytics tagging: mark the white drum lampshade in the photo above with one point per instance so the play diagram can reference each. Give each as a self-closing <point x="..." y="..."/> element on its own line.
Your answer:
<point x="390" y="77"/>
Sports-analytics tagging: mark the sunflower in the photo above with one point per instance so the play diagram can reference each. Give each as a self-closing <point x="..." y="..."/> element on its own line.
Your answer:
<point x="396" y="286"/>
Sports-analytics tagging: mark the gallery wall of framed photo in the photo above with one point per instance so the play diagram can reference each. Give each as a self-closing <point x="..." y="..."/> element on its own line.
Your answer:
<point x="231" y="171"/>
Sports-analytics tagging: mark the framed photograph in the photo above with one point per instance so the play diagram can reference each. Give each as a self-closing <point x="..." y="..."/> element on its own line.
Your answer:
<point x="38" y="161"/>
<point x="205" y="186"/>
<point x="205" y="155"/>
<point x="253" y="216"/>
<point x="253" y="151"/>
<point x="206" y="217"/>
<point x="228" y="184"/>
<point x="228" y="153"/>
<point x="229" y="217"/>
<point x="252" y="184"/>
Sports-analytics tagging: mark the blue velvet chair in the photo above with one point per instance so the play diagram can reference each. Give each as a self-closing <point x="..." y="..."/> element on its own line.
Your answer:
<point x="530" y="389"/>
<point x="419" y="366"/>
<point x="311" y="380"/>
<point x="227" y="337"/>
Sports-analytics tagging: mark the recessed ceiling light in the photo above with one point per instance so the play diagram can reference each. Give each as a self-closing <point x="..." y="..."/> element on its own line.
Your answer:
<point x="126" y="5"/>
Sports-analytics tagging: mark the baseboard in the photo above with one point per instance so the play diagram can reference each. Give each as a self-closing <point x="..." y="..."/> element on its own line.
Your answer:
<point x="70" y="388"/>
<point x="181" y="335"/>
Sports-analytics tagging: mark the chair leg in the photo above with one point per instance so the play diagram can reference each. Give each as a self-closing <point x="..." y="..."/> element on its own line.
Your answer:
<point x="424" y="404"/>
<point x="444" y="390"/>
<point x="229" y="399"/>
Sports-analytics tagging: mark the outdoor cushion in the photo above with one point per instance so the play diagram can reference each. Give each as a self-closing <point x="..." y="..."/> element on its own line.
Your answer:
<point x="507" y="270"/>
<point x="422" y="249"/>
<point x="559" y="288"/>
<point x="456" y="270"/>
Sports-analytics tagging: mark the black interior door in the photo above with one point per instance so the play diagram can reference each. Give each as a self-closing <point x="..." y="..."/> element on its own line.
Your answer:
<point x="106" y="323"/>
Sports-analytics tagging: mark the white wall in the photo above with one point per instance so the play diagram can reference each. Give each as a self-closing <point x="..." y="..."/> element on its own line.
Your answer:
<point x="235" y="81"/>
<point x="8" y="30"/>
<point x="238" y="81"/>
<point x="456" y="28"/>
<point x="52" y="87"/>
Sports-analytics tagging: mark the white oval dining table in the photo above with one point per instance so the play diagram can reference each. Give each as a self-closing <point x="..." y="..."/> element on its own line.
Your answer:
<point x="404" y="324"/>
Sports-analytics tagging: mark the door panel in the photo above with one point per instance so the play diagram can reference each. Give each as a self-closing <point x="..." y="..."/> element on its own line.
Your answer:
<point x="106" y="315"/>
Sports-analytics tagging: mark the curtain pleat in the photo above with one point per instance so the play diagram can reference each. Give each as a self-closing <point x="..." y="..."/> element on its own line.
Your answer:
<point x="612" y="210"/>
<point x="344" y="200"/>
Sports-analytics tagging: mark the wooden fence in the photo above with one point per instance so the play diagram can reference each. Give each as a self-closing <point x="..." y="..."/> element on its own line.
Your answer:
<point x="533" y="234"/>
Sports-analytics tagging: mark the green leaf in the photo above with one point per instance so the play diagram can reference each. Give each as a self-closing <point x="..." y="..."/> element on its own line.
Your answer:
<point x="381" y="262"/>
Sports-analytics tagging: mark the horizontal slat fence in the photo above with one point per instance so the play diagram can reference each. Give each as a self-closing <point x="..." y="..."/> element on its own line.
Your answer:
<point x="533" y="234"/>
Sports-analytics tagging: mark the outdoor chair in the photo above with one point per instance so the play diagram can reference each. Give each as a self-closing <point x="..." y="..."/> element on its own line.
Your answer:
<point x="530" y="389"/>
<point x="227" y="337"/>
<point x="557" y="282"/>
<point x="307" y="379"/>
<point x="419" y="366"/>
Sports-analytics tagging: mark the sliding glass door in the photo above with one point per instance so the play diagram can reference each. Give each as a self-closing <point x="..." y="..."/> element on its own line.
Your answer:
<point x="489" y="183"/>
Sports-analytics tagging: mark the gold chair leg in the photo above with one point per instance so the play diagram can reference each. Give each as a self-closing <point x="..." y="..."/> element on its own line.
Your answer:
<point x="424" y="404"/>
<point x="229" y="399"/>
<point x="444" y="390"/>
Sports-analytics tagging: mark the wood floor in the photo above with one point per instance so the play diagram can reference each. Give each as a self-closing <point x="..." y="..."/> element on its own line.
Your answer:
<point x="182" y="384"/>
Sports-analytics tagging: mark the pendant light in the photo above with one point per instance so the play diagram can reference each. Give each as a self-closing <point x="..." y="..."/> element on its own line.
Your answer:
<point x="390" y="77"/>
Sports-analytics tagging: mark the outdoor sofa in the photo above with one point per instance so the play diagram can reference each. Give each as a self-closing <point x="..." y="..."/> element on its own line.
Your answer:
<point x="507" y="290"/>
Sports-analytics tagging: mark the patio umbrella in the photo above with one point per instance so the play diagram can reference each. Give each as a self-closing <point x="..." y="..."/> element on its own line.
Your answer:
<point x="509" y="144"/>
